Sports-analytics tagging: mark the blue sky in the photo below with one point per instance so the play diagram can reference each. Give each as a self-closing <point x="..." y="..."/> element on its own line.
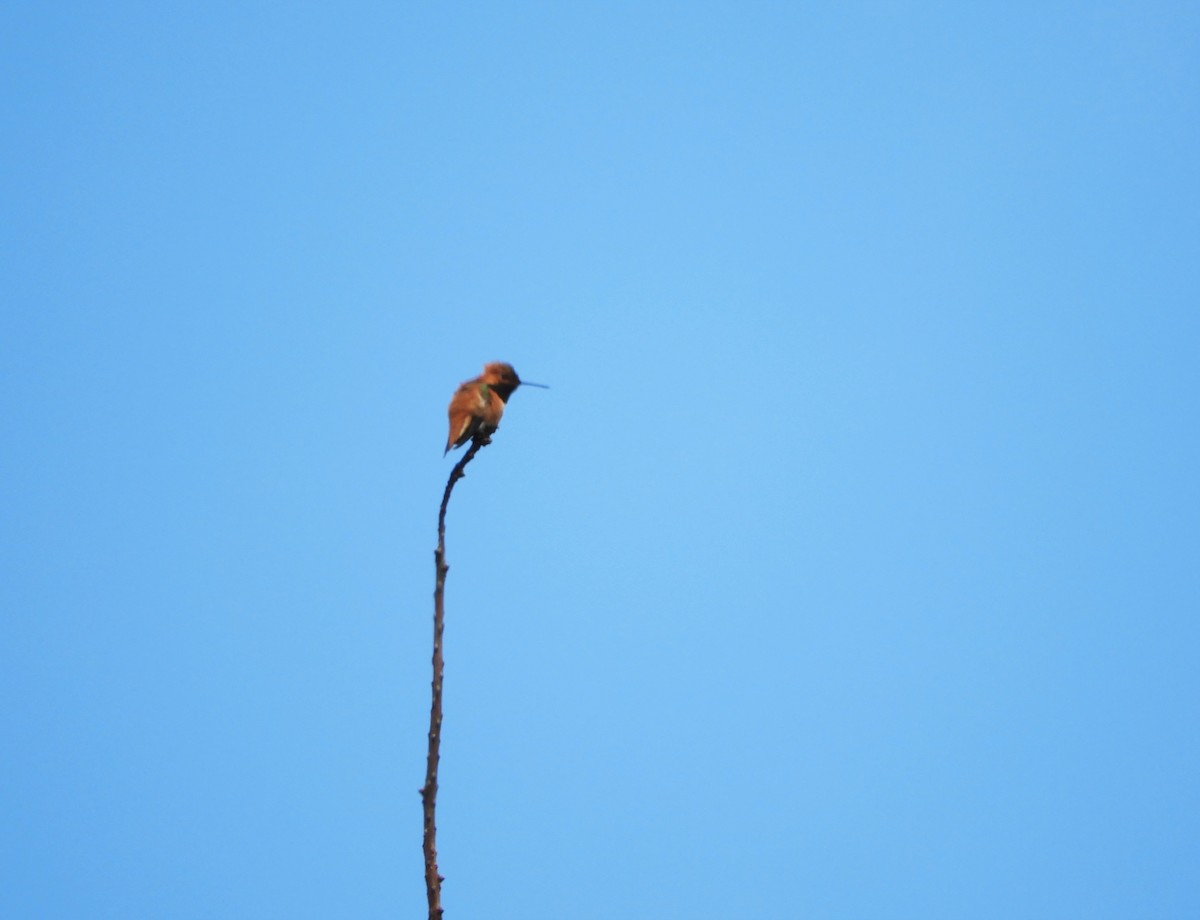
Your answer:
<point x="848" y="570"/>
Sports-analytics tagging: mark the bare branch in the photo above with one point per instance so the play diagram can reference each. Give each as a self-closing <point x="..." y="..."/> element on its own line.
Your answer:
<point x="433" y="880"/>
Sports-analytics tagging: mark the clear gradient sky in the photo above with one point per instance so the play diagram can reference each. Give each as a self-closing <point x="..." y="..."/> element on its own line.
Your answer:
<point x="850" y="569"/>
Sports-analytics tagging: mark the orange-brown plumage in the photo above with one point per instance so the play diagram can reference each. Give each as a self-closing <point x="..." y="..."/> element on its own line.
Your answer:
<point x="478" y="404"/>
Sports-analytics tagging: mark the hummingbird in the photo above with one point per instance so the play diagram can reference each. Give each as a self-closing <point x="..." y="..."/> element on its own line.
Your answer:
<point x="477" y="405"/>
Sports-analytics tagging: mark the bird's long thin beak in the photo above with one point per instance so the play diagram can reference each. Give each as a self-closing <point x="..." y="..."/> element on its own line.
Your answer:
<point x="526" y="383"/>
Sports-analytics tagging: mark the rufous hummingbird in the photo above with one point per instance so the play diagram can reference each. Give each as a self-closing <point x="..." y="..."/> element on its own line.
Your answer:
<point x="477" y="405"/>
